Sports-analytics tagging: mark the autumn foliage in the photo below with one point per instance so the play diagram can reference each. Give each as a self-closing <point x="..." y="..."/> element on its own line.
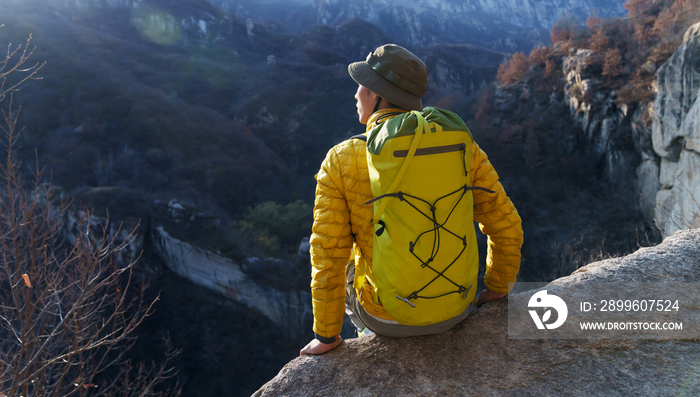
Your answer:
<point x="636" y="8"/>
<point x="627" y="51"/>
<point x="564" y="30"/>
<point x="539" y="56"/>
<point x="612" y="63"/>
<point x="525" y="122"/>
<point x="599" y="41"/>
<point x="513" y="70"/>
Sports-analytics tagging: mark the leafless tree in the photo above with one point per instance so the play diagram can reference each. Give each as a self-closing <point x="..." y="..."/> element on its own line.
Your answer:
<point x="14" y="70"/>
<point x="68" y="311"/>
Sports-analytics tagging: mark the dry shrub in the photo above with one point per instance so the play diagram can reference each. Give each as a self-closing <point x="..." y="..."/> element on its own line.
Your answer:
<point x="550" y="67"/>
<point x="14" y="72"/>
<point x="512" y="134"/>
<point x="513" y="70"/>
<point x="643" y="31"/>
<point x="636" y="8"/>
<point x="485" y="105"/>
<point x="612" y="64"/>
<point x="68" y="310"/>
<point x="566" y="34"/>
<point x="539" y="56"/>
<point x="567" y="257"/>
<point x="593" y="22"/>
<point x="562" y="31"/>
<point x="599" y="41"/>
<point x="663" y="23"/>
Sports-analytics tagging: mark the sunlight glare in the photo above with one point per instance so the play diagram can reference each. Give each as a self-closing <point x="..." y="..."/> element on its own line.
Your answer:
<point x="156" y="25"/>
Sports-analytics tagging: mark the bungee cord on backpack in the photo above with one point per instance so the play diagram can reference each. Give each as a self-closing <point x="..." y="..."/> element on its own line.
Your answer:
<point x="437" y="227"/>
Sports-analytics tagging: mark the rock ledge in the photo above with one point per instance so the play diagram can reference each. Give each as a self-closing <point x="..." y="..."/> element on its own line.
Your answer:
<point x="477" y="358"/>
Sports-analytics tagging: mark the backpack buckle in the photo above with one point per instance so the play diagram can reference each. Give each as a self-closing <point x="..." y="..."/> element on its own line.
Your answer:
<point x="466" y="290"/>
<point x="405" y="300"/>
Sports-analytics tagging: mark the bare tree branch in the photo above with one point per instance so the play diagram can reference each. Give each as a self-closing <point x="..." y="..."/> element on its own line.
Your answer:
<point x="68" y="311"/>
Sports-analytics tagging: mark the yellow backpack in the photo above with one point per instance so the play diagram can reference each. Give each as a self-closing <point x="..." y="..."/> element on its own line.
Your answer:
<point x="425" y="259"/>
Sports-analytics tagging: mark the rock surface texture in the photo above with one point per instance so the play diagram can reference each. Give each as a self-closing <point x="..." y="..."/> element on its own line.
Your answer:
<point x="665" y="144"/>
<point x="648" y="169"/>
<point x="477" y="358"/>
<point x="676" y="136"/>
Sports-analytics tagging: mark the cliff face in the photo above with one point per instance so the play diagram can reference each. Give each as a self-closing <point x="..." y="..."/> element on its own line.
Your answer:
<point x="477" y="358"/>
<point x="289" y="310"/>
<point x="526" y="14"/>
<point x="502" y="25"/>
<point x="89" y="4"/>
<point x="596" y="110"/>
<point x="606" y="128"/>
<point x="676" y="136"/>
<point x="505" y="25"/>
<point x="457" y="69"/>
<point x="664" y="152"/>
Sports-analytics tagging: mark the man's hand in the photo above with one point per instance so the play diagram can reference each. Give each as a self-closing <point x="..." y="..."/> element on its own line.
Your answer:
<point x="317" y="347"/>
<point x="488" y="295"/>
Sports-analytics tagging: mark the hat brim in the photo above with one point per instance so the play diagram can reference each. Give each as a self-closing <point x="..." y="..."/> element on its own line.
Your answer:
<point x="364" y="75"/>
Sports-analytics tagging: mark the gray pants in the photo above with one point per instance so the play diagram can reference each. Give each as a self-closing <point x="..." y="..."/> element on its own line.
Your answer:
<point x="361" y="319"/>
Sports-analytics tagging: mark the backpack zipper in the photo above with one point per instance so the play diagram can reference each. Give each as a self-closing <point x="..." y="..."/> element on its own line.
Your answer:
<point x="438" y="150"/>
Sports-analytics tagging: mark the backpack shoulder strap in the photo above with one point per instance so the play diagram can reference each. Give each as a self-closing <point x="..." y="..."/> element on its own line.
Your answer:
<point x="361" y="137"/>
<point x="423" y="127"/>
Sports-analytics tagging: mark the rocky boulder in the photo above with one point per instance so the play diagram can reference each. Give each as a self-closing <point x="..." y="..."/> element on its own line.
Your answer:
<point x="676" y="136"/>
<point x="477" y="358"/>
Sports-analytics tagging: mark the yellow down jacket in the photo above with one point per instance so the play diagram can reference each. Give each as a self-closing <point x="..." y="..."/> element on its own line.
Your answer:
<point x="342" y="229"/>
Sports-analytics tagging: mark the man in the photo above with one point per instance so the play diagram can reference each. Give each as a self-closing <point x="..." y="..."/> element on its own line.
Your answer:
<point x="391" y="82"/>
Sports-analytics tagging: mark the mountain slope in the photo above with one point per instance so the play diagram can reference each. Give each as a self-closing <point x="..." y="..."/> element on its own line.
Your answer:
<point x="500" y="25"/>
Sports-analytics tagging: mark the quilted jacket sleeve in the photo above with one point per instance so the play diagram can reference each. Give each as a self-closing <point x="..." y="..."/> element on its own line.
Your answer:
<point x="499" y="220"/>
<point x="331" y="244"/>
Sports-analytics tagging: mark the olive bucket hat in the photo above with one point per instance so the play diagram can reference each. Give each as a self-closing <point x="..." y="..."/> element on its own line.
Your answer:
<point x="395" y="74"/>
